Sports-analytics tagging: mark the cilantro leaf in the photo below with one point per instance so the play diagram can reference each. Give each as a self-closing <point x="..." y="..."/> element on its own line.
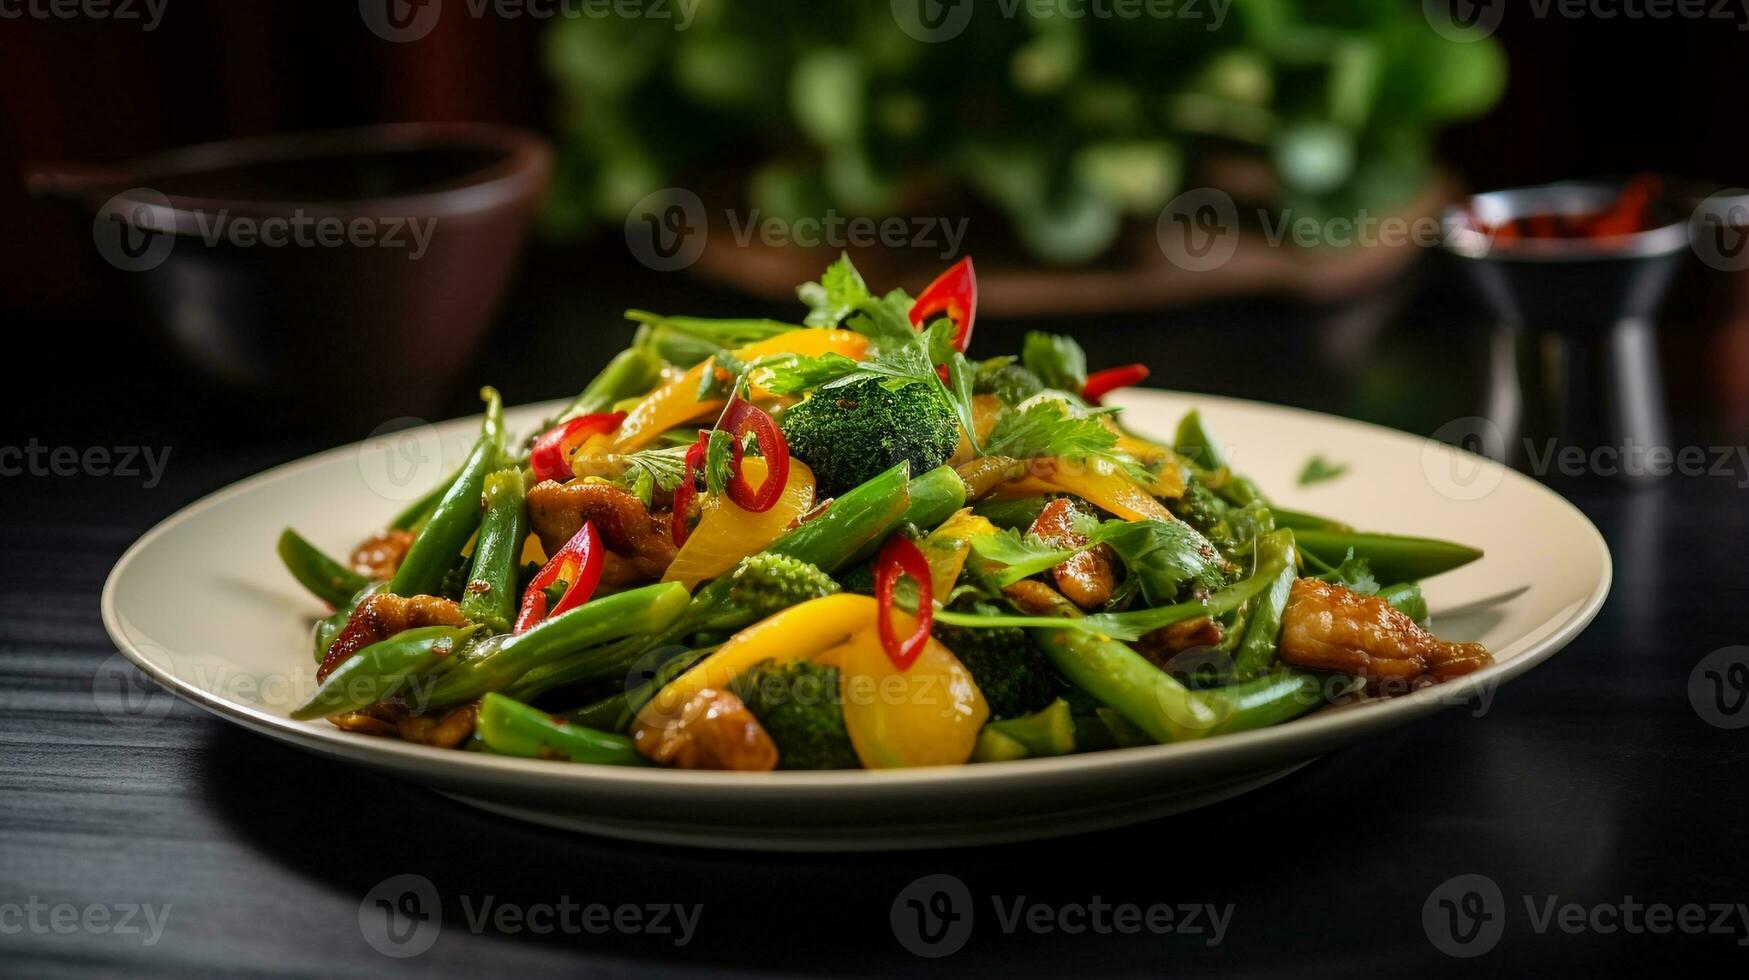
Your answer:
<point x="1057" y="360"/>
<point x="1050" y="427"/>
<point x="1318" y="469"/>
<point x="838" y="294"/>
<point x="663" y="467"/>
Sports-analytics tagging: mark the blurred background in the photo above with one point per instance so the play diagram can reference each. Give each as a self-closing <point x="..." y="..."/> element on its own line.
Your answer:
<point x="1052" y="142"/>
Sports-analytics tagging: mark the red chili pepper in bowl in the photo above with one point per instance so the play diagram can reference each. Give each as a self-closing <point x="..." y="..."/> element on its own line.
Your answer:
<point x="578" y="564"/>
<point x="738" y="420"/>
<point x="954" y="292"/>
<point x="1102" y="383"/>
<point x="900" y="557"/>
<point x="550" y="457"/>
<point x="688" y="488"/>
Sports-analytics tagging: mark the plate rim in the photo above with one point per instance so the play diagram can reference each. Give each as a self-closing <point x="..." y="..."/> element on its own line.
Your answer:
<point x="1320" y="728"/>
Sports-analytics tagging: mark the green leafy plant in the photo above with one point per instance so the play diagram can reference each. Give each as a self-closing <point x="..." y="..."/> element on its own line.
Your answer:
<point x="1069" y="126"/>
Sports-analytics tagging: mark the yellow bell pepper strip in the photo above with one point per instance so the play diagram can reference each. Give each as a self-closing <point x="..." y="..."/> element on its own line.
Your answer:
<point x="947" y="547"/>
<point x="730" y="532"/>
<point x="926" y="715"/>
<point x="676" y="403"/>
<point x="1168" y="479"/>
<point x="1098" y="481"/>
<point x="986" y="410"/>
<point x="798" y="633"/>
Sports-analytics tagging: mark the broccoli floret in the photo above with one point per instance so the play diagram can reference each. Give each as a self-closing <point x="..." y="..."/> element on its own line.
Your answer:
<point x="766" y="584"/>
<point x="798" y="705"/>
<point x="1012" y="673"/>
<point x="858" y="579"/>
<point x="852" y="434"/>
<point x="1007" y="381"/>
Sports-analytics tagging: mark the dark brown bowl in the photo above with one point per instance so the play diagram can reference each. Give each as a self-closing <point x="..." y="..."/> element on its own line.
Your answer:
<point x="348" y="273"/>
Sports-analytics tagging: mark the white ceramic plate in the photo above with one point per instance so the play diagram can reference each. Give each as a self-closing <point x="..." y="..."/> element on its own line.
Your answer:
<point x="202" y="605"/>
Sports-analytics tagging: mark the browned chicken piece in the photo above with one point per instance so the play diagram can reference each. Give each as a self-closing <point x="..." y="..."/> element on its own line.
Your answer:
<point x="712" y="730"/>
<point x="444" y="730"/>
<point x="1034" y="598"/>
<point x="1167" y="642"/>
<point x="556" y="511"/>
<point x="1086" y="579"/>
<point x="380" y="557"/>
<point x="1328" y="627"/>
<point x="381" y="616"/>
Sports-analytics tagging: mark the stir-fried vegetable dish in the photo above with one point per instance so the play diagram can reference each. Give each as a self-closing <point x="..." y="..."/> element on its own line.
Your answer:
<point x="845" y="543"/>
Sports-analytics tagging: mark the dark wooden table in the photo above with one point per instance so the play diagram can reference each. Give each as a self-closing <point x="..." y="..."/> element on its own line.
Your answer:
<point x="1593" y="782"/>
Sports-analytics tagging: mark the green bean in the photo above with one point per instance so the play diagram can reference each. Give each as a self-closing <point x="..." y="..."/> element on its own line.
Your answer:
<point x="1276" y="562"/>
<point x="512" y="728"/>
<point x="1299" y="520"/>
<point x="1159" y="705"/>
<point x="490" y="597"/>
<point x="439" y="543"/>
<point x="498" y="662"/>
<point x="632" y="371"/>
<point x="415" y="514"/>
<point x="378" y="671"/>
<point x="1393" y="558"/>
<point x="329" y="580"/>
<point x="1200" y="449"/>
<point x="1016" y="514"/>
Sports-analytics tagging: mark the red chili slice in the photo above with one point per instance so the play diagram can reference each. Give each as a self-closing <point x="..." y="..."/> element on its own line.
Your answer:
<point x="579" y="562"/>
<point x="1102" y="383"/>
<point x="688" y="488"/>
<point x="739" y="419"/>
<point x="550" y="457"/>
<point x="954" y="292"/>
<point x="902" y="557"/>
